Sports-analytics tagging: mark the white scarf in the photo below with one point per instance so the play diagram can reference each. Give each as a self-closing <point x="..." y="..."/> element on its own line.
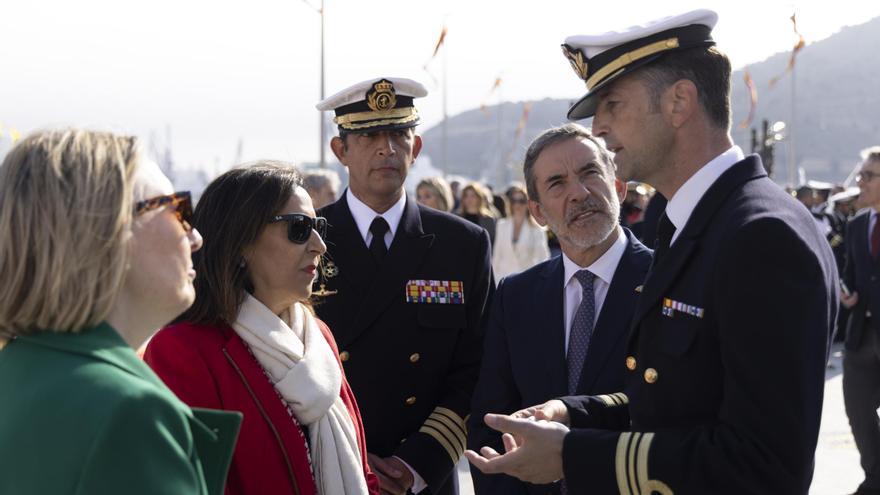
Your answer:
<point x="306" y="373"/>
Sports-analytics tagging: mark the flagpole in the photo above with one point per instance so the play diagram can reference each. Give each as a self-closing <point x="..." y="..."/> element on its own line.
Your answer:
<point x="322" y="126"/>
<point x="445" y="135"/>
<point x="792" y="159"/>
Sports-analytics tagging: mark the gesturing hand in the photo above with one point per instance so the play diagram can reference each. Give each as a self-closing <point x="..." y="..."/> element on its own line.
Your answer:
<point x="552" y="410"/>
<point x="394" y="477"/>
<point x="533" y="449"/>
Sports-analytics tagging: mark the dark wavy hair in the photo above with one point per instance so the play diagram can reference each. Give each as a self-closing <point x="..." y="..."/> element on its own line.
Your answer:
<point x="230" y="215"/>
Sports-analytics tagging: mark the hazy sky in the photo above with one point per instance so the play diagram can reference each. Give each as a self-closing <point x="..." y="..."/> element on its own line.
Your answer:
<point x="215" y="72"/>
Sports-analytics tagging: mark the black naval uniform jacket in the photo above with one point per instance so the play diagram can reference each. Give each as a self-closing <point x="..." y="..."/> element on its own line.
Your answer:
<point x="726" y="357"/>
<point x="412" y="365"/>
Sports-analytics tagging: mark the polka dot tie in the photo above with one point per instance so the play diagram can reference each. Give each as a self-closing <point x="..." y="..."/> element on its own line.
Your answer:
<point x="581" y="329"/>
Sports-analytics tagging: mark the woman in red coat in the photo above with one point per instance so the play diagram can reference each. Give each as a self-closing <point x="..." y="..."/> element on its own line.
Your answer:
<point x="251" y="343"/>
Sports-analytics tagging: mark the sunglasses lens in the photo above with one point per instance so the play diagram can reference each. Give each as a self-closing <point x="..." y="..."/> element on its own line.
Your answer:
<point x="185" y="212"/>
<point x="299" y="228"/>
<point x="321" y="226"/>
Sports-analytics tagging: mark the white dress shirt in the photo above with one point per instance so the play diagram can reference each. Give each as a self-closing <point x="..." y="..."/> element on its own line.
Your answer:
<point x="364" y="216"/>
<point x="683" y="202"/>
<point x="603" y="268"/>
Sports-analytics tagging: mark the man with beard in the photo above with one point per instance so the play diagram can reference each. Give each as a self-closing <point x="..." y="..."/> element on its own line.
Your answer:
<point x="727" y="351"/>
<point x="404" y="291"/>
<point x="577" y="340"/>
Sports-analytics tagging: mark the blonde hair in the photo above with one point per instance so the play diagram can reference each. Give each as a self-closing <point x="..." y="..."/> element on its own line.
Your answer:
<point x="441" y="190"/>
<point x="486" y="209"/>
<point x="65" y="213"/>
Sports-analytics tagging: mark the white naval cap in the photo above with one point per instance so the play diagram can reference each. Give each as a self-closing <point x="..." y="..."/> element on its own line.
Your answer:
<point x="601" y="58"/>
<point x="848" y="194"/>
<point x="376" y="104"/>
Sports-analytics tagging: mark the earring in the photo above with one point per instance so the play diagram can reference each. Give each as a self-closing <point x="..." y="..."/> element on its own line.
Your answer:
<point x="241" y="264"/>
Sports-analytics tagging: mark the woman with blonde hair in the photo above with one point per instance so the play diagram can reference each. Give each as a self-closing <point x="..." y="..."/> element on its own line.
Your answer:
<point x="520" y="242"/>
<point x="434" y="192"/>
<point x="95" y="251"/>
<point x="250" y="343"/>
<point x="476" y="207"/>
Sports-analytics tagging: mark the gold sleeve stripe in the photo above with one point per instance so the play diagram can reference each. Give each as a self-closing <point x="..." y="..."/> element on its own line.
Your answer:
<point x="631" y="463"/>
<point x="454" y="418"/>
<point x="614" y="400"/>
<point x="442" y="440"/>
<point x="631" y="466"/>
<point x="457" y="441"/>
<point x="620" y="463"/>
<point x="649" y="485"/>
<point x="444" y="423"/>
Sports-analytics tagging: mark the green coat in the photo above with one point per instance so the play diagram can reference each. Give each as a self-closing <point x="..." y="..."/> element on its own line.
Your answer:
<point x="81" y="414"/>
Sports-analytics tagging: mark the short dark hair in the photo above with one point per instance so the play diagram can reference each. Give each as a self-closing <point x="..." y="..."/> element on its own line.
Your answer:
<point x="555" y="135"/>
<point x="708" y="68"/>
<point x="230" y="215"/>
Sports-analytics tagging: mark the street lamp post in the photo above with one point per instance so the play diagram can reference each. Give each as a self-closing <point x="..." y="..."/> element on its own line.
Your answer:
<point x="322" y="128"/>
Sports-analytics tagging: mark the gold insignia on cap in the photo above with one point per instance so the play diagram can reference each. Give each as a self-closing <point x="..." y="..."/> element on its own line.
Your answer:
<point x="381" y="97"/>
<point x="576" y="59"/>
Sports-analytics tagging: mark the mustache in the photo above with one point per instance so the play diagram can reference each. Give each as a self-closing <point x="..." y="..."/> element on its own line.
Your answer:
<point x="589" y="205"/>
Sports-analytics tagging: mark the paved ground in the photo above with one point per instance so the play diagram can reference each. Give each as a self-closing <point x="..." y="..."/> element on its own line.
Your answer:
<point x="837" y="460"/>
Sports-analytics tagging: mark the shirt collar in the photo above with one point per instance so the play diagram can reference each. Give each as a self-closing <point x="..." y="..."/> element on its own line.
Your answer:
<point x="683" y="202"/>
<point x="364" y="215"/>
<point x="604" y="267"/>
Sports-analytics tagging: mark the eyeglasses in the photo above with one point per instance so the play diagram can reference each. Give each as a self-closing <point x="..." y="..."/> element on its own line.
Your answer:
<point x="300" y="227"/>
<point x="519" y="201"/>
<point x="181" y="201"/>
<point x="865" y="176"/>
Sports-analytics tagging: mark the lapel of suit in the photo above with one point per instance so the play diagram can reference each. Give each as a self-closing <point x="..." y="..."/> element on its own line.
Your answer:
<point x="663" y="274"/>
<point x="863" y="241"/>
<point x="407" y="251"/>
<point x="615" y="315"/>
<point x="551" y="323"/>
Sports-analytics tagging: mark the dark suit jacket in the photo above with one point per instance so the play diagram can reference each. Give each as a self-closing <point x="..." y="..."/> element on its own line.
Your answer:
<point x="862" y="275"/>
<point x="524" y="361"/>
<point x="412" y="366"/>
<point x="729" y="345"/>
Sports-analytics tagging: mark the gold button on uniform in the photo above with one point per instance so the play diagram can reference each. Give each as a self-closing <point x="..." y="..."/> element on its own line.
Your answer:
<point x="414" y="358"/>
<point x="651" y="375"/>
<point x="343" y="356"/>
<point x="410" y="401"/>
<point x="630" y="363"/>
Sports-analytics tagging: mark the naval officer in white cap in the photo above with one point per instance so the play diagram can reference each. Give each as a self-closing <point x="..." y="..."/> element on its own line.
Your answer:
<point x="727" y="350"/>
<point x="404" y="291"/>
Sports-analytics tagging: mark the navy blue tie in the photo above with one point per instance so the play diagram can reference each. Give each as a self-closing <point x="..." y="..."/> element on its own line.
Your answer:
<point x="377" y="245"/>
<point x="581" y="330"/>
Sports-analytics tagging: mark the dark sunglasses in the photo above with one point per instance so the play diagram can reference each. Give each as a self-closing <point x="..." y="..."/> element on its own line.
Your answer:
<point x="300" y="227"/>
<point x="181" y="202"/>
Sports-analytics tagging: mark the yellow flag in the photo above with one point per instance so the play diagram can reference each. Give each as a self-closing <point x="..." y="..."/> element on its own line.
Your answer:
<point x="14" y="134"/>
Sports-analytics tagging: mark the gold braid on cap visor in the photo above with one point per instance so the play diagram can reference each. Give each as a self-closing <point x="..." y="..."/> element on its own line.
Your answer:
<point x="394" y="116"/>
<point x="630" y="57"/>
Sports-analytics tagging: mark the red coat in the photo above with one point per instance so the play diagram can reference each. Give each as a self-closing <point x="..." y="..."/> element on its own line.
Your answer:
<point x="211" y="367"/>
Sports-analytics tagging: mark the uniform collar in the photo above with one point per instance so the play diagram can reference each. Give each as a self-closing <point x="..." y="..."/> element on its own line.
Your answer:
<point x="363" y="215"/>
<point x="604" y="267"/>
<point x="683" y="202"/>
